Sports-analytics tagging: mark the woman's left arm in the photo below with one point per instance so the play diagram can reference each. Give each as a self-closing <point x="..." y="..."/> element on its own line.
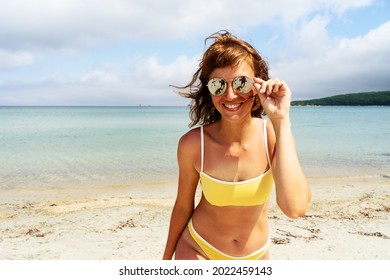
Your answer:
<point x="292" y="190"/>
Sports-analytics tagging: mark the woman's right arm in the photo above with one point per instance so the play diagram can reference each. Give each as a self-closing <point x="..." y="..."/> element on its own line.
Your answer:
<point x="187" y="154"/>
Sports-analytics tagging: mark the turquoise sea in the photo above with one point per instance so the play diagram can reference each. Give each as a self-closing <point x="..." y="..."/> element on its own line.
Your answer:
<point x="129" y="146"/>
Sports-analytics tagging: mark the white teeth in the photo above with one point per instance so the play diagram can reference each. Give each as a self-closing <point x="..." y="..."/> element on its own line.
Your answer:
<point x="232" y="106"/>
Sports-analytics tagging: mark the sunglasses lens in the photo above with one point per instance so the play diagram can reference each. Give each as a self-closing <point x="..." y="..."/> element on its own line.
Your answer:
<point x="243" y="84"/>
<point x="217" y="86"/>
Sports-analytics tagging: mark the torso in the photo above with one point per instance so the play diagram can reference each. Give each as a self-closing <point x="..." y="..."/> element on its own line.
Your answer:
<point x="224" y="226"/>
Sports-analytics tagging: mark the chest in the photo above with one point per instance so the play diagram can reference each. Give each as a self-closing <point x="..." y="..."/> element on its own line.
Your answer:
<point x="235" y="162"/>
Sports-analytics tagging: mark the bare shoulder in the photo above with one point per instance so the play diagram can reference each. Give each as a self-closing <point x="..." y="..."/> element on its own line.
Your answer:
<point x="190" y="139"/>
<point x="189" y="146"/>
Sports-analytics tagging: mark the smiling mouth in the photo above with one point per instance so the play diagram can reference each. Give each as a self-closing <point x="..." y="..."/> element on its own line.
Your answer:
<point x="232" y="106"/>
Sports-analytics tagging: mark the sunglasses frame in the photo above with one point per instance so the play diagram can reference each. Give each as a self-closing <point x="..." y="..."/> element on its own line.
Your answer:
<point x="233" y="81"/>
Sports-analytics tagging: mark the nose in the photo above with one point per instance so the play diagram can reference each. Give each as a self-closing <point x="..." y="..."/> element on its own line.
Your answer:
<point x="230" y="93"/>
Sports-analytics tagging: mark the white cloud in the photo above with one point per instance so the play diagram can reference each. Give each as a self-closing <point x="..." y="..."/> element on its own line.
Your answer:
<point x="178" y="71"/>
<point x="147" y="83"/>
<point x="73" y="24"/>
<point x="9" y="59"/>
<point x="305" y="54"/>
<point x="347" y="65"/>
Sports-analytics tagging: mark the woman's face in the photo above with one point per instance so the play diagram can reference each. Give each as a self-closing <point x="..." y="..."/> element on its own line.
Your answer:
<point x="231" y="104"/>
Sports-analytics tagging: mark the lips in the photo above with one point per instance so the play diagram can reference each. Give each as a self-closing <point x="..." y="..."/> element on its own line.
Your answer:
<point x="234" y="106"/>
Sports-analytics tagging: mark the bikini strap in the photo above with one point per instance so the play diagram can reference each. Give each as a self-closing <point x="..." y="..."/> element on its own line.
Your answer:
<point x="201" y="148"/>
<point x="266" y="143"/>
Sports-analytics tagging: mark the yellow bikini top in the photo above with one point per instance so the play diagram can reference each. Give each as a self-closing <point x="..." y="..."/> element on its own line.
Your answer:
<point x="255" y="191"/>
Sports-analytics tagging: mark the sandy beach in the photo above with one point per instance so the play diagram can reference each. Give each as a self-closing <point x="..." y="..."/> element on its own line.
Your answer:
<point x="348" y="219"/>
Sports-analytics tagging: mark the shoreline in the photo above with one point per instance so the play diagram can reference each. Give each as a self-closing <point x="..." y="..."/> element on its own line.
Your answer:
<point x="347" y="219"/>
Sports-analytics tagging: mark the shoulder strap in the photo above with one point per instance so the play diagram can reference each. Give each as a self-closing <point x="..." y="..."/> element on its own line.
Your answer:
<point x="266" y="143"/>
<point x="201" y="148"/>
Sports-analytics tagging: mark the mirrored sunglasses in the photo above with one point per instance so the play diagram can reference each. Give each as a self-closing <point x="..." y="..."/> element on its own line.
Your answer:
<point x="241" y="84"/>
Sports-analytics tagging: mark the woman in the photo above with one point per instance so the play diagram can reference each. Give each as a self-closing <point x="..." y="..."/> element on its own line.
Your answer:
<point x="237" y="156"/>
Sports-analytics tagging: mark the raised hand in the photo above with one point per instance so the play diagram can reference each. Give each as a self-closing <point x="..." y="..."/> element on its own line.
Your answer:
<point x="275" y="97"/>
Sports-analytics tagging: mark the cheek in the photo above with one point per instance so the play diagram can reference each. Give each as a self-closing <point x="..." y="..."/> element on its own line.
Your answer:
<point x="215" y="99"/>
<point x="216" y="102"/>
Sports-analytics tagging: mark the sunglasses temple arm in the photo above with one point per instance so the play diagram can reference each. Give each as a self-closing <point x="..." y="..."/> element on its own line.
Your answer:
<point x="249" y="98"/>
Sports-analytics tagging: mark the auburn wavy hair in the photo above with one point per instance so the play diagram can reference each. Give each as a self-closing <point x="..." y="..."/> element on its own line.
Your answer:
<point x="226" y="50"/>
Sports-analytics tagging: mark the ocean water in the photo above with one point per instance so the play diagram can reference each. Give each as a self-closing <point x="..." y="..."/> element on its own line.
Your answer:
<point x="343" y="141"/>
<point x="129" y="146"/>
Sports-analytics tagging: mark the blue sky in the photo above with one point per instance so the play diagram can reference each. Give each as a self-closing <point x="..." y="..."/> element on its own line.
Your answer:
<point x="118" y="52"/>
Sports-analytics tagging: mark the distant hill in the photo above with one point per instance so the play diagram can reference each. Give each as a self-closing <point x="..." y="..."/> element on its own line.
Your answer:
<point x="381" y="98"/>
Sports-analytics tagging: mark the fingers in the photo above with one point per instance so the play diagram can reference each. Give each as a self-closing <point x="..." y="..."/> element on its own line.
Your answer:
<point x="270" y="87"/>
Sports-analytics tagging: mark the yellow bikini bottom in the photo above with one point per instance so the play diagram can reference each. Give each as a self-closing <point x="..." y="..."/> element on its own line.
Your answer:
<point x="215" y="254"/>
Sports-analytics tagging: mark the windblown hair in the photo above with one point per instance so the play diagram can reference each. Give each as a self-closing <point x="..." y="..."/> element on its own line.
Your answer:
<point x="226" y="50"/>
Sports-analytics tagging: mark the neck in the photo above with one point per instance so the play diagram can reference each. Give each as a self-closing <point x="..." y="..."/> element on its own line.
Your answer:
<point x="236" y="131"/>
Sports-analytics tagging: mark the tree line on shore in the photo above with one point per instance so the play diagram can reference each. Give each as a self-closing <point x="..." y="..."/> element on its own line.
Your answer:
<point x="380" y="98"/>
